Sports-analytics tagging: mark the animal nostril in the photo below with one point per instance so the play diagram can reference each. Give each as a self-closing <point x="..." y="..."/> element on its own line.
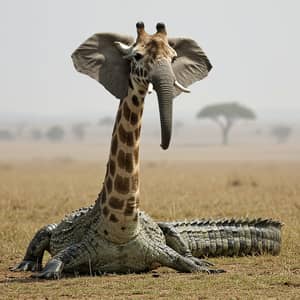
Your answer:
<point x="138" y="56"/>
<point x="140" y="25"/>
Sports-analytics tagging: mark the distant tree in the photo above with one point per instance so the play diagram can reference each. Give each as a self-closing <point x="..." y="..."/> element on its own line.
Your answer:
<point x="281" y="133"/>
<point x="106" y="121"/>
<point x="6" y="135"/>
<point x="79" y="130"/>
<point x="36" y="134"/>
<point x="225" y="115"/>
<point x="55" y="133"/>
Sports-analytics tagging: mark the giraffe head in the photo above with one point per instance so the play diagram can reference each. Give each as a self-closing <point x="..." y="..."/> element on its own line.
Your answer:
<point x="147" y="51"/>
<point x="121" y="63"/>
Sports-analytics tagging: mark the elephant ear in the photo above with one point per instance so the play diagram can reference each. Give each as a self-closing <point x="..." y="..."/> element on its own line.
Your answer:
<point x="99" y="58"/>
<point x="191" y="63"/>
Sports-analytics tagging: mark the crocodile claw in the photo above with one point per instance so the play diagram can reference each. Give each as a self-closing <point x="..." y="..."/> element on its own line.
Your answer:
<point x="210" y="271"/>
<point x="201" y="262"/>
<point x="26" y="265"/>
<point x="216" y="271"/>
<point x="205" y="266"/>
<point x="52" y="270"/>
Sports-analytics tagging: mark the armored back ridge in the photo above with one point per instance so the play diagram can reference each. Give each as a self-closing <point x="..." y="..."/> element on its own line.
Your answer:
<point x="225" y="237"/>
<point x="113" y="235"/>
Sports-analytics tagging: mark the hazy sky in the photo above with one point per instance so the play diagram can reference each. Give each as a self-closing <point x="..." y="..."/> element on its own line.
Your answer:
<point x="253" y="45"/>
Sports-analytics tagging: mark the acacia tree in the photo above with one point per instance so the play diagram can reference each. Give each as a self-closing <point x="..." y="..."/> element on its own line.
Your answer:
<point x="106" y="121"/>
<point x="55" y="133"/>
<point x="6" y="135"/>
<point x="225" y="115"/>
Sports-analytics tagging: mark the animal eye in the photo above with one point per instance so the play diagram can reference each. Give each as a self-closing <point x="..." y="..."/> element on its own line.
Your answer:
<point x="138" y="56"/>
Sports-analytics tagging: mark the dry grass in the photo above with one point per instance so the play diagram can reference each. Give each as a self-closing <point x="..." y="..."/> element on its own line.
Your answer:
<point x="34" y="194"/>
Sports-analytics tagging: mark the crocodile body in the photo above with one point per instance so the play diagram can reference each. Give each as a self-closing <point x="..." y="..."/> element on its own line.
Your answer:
<point x="203" y="237"/>
<point x="77" y="245"/>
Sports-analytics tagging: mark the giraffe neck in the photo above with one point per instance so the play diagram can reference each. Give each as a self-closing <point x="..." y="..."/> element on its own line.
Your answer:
<point x="119" y="199"/>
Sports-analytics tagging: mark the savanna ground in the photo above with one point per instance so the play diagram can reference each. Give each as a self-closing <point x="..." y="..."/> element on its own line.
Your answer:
<point x="190" y="183"/>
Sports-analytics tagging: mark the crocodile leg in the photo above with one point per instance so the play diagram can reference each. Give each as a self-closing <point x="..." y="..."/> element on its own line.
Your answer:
<point x="172" y="259"/>
<point x="70" y="259"/>
<point x="32" y="260"/>
<point x="175" y="241"/>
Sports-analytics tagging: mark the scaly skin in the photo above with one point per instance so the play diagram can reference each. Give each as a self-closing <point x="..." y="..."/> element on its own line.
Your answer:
<point x="77" y="245"/>
<point x="226" y="237"/>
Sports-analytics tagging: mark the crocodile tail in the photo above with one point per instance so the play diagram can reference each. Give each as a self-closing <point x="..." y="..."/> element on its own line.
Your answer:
<point x="231" y="237"/>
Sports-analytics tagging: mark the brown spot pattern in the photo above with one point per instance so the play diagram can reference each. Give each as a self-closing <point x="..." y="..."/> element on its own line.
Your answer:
<point x="112" y="167"/>
<point x="113" y="218"/>
<point x="121" y="159"/>
<point x="103" y="196"/>
<point x="126" y="137"/>
<point x="136" y="155"/>
<point x="137" y="132"/>
<point x="130" y="140"/>
<point x="121" y="184"/>
<point x="123" y="134"/>
<point x="116" y="203"/>
<point x="114" y="145"/>
<point x="133" y="118"/>
<point x="126" y="111"/>
<point x="105" y="211"/>
<point x="108" y="185"/>
<point x="125" y="161"/>
<point x="135" y="100"/>
<point x="128" y="163"/>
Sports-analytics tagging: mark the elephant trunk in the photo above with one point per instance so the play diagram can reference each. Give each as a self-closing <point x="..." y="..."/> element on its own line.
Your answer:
<point x="163" y="78"/>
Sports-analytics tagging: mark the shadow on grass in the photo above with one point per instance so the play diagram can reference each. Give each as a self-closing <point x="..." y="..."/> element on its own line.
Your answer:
<point x="9" y="280"/>
<point x="28" y="279"/>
